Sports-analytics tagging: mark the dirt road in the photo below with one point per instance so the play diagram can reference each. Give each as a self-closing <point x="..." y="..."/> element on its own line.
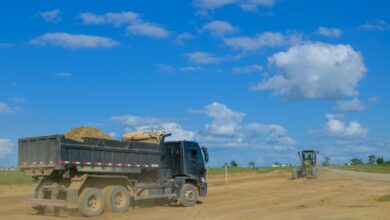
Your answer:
<point x="333" y="195"/>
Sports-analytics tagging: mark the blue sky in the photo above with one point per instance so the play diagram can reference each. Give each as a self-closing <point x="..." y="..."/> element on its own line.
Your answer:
<point x="254" y="80"/>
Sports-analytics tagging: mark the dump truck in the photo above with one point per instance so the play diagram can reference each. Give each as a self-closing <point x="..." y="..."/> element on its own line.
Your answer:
<point x="308" y="165"/>
<point x="96" y="175"/>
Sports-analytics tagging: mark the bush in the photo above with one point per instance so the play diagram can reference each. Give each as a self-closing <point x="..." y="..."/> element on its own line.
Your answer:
<point x="356" y="161"/>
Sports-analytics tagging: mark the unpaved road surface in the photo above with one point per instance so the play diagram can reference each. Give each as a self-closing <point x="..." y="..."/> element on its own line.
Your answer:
<point x="333" y="195"/>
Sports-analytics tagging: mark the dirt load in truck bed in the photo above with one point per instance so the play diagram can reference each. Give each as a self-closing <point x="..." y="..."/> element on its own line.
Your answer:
<point x="248" y="196"/>
<point x="79" y="133"/>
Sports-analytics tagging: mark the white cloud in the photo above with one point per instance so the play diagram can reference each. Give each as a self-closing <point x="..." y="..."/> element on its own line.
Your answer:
<point x="228" y="130"/>
<point x="225" y="121"/>
<point x="276" y="134"/>
<point x="74" y="41"/>
<point x="180" y="38"/>
<point x="6" y="146"/>
<point x="53" y="16"/>
<point x="148" y="29"/>
<point x="352" y="105"/>
<point x="63" y="74"/>
<point x="248" y="69"/>
<point x="115" y="18"/>
<point x="245" y="5"/>
<point x="336" y="127"/>
<point x="373" y="100"/>
<point x="139" y="123"/>
<point x="135" y="25"/>
<point x="211" y="4"/>
<point x="219" y="28"/>
<point x="184" y="69"/>
<point x="329" y="32"/>
<point x="315" y="71"/>
<point x="266" y="39"/>
<point x="253" y="5"/>
<point x="375" y="25"/>
<point x="5" y="108"/>
<point x="112" y="134"/>
<point x="203" y="57"/>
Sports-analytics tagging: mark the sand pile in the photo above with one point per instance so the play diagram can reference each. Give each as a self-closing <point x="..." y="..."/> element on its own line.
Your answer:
<point x="78" y="133"/>
<point x="142" y="136"/>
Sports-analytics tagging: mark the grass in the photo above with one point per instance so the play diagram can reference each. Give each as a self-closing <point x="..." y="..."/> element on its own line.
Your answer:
<point x="19" y="178"/>
<point x="385" y="198"/>
<point x="260" y="170"/>
<point x="366" y="168"/>
<point x="14" y="178"/>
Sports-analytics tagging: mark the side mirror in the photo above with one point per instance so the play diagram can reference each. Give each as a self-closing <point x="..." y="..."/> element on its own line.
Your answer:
<point x="206" y="154"/>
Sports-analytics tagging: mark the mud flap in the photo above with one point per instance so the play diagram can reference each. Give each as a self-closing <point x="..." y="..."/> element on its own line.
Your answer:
<point x="203" y="189"/>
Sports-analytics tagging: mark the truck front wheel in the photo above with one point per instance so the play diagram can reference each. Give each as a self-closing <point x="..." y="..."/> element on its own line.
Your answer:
<point x="91" y="202"/>
<point x="189" y="195"/>
<point x="117" y="198"/>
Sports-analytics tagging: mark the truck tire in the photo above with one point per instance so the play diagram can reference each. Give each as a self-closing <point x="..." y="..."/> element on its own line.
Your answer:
<point x="294" y="174"/>
<point x="91" y="202"/>
<point x="117" y="198"/>
<point x="188" y="195"/>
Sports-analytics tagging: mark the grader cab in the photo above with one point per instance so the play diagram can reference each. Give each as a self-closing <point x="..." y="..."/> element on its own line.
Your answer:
<point x="308" y="166"/>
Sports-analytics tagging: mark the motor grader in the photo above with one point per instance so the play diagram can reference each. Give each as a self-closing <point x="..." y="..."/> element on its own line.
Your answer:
<point x="308" y="168"/>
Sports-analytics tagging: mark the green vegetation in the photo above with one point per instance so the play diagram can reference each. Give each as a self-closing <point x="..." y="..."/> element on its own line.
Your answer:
<point x="18" y="178"/>
<point x="366" y="168"/>
<point x="14" y="177"/>
<point x="260" y="170"/>
<point x="385" y="198"/>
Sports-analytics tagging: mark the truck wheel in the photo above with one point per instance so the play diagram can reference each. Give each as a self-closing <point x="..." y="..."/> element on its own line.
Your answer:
<point x="189" y="195"/>
<point x="117" y="198"/>
<point x="294" y="174"/>
<point x="91" y="202"/>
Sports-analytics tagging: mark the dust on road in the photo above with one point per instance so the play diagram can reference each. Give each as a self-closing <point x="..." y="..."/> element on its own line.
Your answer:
<point x="249" y="196"/>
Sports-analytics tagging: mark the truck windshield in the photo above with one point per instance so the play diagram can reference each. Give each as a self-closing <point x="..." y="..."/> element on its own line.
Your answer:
<point x="307" y="155"/>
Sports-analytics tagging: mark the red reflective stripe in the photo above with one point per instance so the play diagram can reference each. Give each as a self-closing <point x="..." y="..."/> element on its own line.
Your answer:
<point x="75" y="162"/>
<point x="87" y="163"/>
<point x="64" y="161"/>
<point x="107" y="164"/>
<point x="118" y="164"/>
<point x="127" y="165"/>
<point x="97" y="163"/>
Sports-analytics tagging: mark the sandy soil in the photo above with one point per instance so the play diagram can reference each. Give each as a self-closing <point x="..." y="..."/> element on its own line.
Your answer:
<point x="333" y="195"/>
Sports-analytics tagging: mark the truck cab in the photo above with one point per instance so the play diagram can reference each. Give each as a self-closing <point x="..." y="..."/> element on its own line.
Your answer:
<point x="186" y="160"/>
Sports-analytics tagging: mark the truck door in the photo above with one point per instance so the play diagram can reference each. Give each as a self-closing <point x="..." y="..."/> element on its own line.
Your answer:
<point x="194" y="160"/>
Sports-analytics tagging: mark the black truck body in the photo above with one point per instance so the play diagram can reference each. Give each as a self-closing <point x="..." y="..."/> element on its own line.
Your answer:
<point x="74" y="175"/>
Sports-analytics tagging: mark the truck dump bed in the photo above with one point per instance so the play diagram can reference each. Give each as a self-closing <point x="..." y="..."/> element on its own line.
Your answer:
<point x="40" y="156"/>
